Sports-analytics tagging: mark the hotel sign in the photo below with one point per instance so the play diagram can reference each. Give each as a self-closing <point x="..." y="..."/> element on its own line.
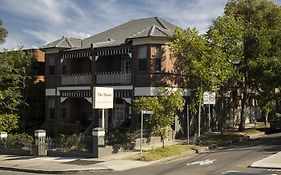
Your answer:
<point x="102" y="97"/>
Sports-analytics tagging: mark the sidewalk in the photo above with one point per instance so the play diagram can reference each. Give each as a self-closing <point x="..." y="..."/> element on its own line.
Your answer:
<point x="58" y="165"/>
<point x="271" y="162"/>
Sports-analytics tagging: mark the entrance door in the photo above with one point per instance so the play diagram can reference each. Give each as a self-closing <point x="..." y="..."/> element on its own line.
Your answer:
<point x="119" y="115"/>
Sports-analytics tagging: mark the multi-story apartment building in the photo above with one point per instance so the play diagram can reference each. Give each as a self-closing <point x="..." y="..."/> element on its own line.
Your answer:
<point x="134" y="58"/>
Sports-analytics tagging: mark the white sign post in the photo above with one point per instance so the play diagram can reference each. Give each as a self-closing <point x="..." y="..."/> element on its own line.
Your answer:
<point x="209" y="98"/>
<point x="143" y="112"/>
<point x="103" y="99"/>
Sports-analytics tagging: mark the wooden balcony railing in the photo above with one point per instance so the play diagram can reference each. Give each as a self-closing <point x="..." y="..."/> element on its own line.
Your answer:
<point x="76" y="79"/>
<point x="122" y="77"/>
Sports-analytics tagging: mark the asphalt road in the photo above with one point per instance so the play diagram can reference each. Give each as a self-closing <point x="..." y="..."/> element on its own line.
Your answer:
<point x="230" y="160"/>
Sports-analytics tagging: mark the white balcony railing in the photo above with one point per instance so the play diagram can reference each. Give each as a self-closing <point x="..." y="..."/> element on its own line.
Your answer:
<point x="76" y="79"/>
<point x="124" y="77"/>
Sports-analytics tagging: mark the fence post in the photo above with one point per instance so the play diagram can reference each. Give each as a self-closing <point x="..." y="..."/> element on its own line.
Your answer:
<point x="40" y="142"/>
<point x="97" y="140"/>
<point x="3" y="139"/>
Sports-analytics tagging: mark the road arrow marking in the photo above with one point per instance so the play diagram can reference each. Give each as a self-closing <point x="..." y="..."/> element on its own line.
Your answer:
<point x="201" y="163"/>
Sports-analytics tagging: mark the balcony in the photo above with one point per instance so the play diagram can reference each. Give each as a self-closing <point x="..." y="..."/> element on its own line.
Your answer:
<point x="76" y="79"/>
<point x="124" y="77"/>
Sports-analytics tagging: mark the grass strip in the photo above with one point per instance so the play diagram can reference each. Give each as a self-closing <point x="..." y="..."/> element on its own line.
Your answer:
<point x="168" y="151"/>
<point x="208" y="140"/>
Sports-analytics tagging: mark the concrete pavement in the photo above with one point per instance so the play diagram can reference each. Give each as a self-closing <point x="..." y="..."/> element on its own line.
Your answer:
<point x="271" y="162"/>
<point x="56" y="165"/>
<point x="59" y="165"/>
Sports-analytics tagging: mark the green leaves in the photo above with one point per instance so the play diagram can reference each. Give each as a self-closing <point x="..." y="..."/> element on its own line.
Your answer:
<point x="201" y="59"/>
<point x="241" y="50"/>
<point x="3" y="33"/>
<point x="15" y="74"/>
<point x="164" y="107"/>
<point x="8" y="122"/>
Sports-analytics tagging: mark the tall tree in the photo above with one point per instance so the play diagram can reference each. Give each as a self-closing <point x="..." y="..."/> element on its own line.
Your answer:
<point x="201" y="61"/>
<point x="15" y="76"/>
<point x="250" y="32"/>
<point x="3" y="33"/>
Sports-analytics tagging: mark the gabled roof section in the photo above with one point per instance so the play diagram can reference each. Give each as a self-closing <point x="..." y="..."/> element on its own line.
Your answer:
<point x="63" y="42"/>
<point x="153" y="31"/>
<point x="133" y="29"/>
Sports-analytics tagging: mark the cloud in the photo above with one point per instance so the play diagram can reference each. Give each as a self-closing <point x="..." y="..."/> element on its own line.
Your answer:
<point x="50" y="11"/>
<point x="41" y="35"/>
<point x="13" y="42"/>
<point x="192" y="13"/>
<point x="39" y="21"/>
<point x="79" y="35"/>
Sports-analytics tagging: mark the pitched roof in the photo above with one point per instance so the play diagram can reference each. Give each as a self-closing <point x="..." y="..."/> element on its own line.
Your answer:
<point x="153" y="31"/>
<point x="63" y="42"/>
<point x="145" y="27"/>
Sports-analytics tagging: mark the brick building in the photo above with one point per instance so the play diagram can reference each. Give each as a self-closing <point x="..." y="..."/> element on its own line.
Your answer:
<point x="134" y="58"/>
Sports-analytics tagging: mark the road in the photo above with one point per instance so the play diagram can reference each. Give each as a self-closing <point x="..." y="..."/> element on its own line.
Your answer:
<point x="230" y="160"/>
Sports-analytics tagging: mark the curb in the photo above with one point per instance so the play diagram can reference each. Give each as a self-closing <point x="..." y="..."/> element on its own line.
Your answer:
<point x="258" y="135"/>
<point x="40" y="171"/>
<point x="264" y="167"/>
<point x="168" y="159"/>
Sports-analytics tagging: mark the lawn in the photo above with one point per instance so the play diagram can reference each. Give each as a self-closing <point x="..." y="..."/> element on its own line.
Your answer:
<point x="207" y="140"/>
<point x="168" y="151"/>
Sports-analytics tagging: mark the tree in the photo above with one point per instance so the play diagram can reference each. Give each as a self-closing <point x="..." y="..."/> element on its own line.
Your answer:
<point x="250" y="33"/>
<point x="164" y="107"/>
<point x="8" y="122"/>
<point x="201" y="61"/>
<point x="3" y="33"/>
<point x="15" y="76"/>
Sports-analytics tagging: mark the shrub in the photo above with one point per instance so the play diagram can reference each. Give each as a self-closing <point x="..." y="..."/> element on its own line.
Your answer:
<point x="20" y="141"/>
<point x="118" y="139"/>
<point x="66" y="143"/>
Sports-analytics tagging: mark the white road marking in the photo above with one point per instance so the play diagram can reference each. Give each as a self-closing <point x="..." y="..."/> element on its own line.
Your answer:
<point x="201" y="163"/>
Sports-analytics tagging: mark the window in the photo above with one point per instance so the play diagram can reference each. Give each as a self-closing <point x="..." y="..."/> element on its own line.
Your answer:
<point x="63" y="113"/>
<point x="158" y="58"/>
<point x="51" y="64"/>
<point x="52" y="112"/>
<point x="51" y="70"/>
<point x="142" y="57"/>
<point x="63" y="69"/>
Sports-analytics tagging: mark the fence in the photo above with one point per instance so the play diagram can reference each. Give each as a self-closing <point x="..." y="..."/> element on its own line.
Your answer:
<point x="40" y="145"/>
<point x="76" y="145"/>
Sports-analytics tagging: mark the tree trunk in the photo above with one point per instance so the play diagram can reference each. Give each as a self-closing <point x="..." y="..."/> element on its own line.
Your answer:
<point x="266" y="116"/>
<point x="163" y="141"/>
<point x="242" y="116"/>
<point x="223" y="114"/>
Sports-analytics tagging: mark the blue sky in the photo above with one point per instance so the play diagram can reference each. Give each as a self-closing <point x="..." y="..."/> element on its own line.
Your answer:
<point x="32" y="23"/>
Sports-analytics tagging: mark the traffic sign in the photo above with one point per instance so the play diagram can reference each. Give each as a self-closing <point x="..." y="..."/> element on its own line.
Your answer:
<point x="209" y="98"/>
